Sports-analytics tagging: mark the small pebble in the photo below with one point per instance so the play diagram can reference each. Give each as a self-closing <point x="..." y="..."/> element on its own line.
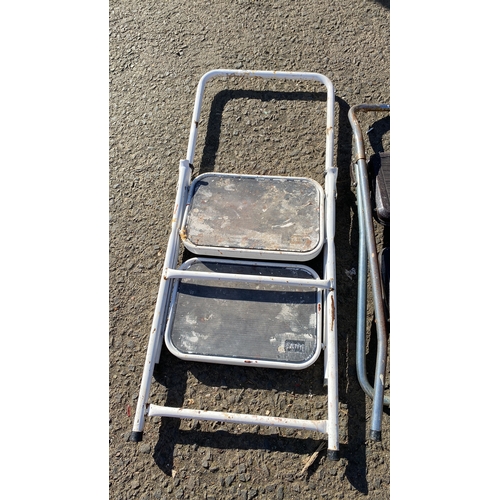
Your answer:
<point x="280" y="492"/>
<point x="145" y="448"/>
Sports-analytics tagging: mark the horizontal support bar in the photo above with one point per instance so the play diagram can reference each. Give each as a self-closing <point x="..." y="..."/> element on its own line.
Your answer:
<point x="237" y="418"/>
<point x="247" y="278"/>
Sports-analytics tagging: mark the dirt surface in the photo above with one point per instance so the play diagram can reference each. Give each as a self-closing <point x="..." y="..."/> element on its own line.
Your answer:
<point x="158" y="52"/>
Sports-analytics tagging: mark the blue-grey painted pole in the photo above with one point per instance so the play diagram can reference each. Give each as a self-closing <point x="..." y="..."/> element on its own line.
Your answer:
<point x="363" y="194"/>
<point x="361" y="307"/>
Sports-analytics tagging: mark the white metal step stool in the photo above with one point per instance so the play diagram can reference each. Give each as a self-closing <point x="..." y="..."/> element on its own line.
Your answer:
<point x="247" y="298"/>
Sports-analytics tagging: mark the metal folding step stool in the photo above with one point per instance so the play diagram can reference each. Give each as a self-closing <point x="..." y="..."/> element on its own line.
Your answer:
<point x="247" y="298"/>
<point x="372" y="202"/>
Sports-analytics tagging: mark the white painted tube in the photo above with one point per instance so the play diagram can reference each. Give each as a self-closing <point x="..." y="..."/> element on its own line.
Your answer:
<point x="246" y="278"/>
<point x="283" y="75"/>
<point x="237" y="418"/>
<point x="154" y="344"/>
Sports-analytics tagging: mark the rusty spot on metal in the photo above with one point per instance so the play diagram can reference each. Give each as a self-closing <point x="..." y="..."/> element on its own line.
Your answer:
<point x="182" y="234"/>
<point x="319" y="307"/>
<point x="174" y="219"/>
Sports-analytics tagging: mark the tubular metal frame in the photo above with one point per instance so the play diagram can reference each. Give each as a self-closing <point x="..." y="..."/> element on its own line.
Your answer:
<point x="330" y="427"/>
<point x="368" y="253"/>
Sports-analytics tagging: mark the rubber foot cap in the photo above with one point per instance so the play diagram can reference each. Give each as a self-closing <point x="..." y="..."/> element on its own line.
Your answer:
<point x="376" y="435"/>
<point x="136" y="436"/>
<point x="333" y="455"/>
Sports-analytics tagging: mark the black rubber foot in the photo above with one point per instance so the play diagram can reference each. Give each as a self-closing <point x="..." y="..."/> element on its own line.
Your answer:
<point x="376" y="435"/>
<point x="333" y="455"/>
<point x="135" y="436"/>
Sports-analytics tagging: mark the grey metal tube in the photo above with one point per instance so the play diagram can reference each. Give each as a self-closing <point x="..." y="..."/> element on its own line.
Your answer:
<point x="366" y="220"/>
<point x="358" y="136"/>
<point x="361" y="309"/>
<point x="378" y="304"/>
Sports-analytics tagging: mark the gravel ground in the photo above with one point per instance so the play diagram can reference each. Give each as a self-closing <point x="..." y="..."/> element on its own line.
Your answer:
<point x="157" y="53"/>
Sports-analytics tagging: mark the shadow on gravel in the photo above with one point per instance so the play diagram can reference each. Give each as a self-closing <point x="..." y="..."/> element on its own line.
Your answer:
<point x="346" y="243"/>
<point x="384" y="3"/>
<point x="173" y="373"/>
<point x="212" y="140"/>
